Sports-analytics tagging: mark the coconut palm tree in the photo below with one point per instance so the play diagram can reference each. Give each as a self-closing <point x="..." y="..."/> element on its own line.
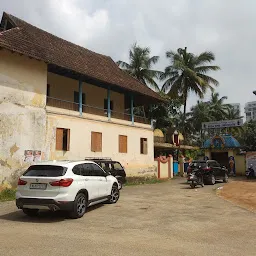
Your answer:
<point x="184" y="126"/>
<point x="218" y="110"/>
<point x="140" y="66"/>
<point x="188" y="73"/>
<point x="249" y="135"/>
<point x="199" y="114"/>
<point x="233" y="113"/>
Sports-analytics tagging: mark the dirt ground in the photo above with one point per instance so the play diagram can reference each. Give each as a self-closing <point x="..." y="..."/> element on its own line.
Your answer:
<point x="240" y="192"/>
<point x="160" y="219"/>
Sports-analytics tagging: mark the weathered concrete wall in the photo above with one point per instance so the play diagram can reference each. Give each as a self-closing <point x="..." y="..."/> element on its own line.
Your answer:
<point x="80" y="142"/>
<point x="22" y="111"/>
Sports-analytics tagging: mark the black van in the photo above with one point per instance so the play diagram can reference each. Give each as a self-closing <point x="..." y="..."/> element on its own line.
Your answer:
<point x="113" y="167"/>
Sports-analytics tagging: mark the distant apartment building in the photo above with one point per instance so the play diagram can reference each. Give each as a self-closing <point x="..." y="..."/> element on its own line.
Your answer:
<point x="236" y="107"/>
<point x="250" y="110"/>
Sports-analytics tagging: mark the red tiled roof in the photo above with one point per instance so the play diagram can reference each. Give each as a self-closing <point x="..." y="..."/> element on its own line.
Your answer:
<point x="31" y="41"/>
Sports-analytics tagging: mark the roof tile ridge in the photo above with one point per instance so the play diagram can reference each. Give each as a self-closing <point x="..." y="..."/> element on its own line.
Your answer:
<point x="10" y="30"/>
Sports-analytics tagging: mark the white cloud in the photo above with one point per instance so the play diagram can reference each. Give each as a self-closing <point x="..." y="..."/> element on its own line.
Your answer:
<point x="77" y="22"/>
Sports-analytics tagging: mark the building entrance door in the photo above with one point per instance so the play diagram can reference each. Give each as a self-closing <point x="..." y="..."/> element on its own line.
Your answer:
<point x="220" y="157"/>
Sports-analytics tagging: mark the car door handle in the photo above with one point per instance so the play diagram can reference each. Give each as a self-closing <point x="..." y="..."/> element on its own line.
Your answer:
<point x="86" y="179"/>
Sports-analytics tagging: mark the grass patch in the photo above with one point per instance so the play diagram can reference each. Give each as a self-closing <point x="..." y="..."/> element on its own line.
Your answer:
<point x="7" y="195"/>
<point x="131" y="181"/>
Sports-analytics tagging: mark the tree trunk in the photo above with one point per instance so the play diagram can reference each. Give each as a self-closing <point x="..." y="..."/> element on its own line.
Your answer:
<point x="185" y="108"/>
<point x="184" y="113"/>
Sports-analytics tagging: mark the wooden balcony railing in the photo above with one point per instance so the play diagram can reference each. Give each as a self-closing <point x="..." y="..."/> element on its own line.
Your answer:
<point x="57" y="103"/>
<point x="64" y="104"/>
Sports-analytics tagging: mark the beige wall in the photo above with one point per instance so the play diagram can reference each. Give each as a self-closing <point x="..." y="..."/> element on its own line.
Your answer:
<point x="231" y="152"/>
<point x="240" y="164"/>
<point x="164" y="170"/>
<point x="80" y="142"/>
<point x="239" y="160"/>
<point x="162" y="167"/>
<point x="63" y="88"/>
<point x="22" y="113"/>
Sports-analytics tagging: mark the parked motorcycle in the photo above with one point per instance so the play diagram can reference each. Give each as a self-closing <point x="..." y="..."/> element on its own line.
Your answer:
<point x="196" y="178"/>
<point x="250" y="173"/>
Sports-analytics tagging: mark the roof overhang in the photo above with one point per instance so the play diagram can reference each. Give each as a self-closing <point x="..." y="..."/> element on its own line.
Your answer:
<point x="221" y="149"/>
<point x="171" y="146"/>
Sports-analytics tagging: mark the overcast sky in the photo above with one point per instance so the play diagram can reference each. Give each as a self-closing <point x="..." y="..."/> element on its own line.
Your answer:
<point x="110" y="27"/>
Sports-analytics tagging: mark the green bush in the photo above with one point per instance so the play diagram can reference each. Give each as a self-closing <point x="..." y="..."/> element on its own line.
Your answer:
<point x="7" y="194"/>
<point x="142" y="180"/>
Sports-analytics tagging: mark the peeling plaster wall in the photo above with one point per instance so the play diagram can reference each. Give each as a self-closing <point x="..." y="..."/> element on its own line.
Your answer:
<point x="22" y="111"/>
<point x="80" y="143"/>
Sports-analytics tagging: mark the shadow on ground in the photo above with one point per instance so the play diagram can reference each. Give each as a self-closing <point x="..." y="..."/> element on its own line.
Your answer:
<point x="183" y="183"/>
<point x="43" y="216"/>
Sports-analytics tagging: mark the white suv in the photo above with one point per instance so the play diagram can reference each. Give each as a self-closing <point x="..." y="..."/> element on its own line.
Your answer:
<point x="65" y="185"/>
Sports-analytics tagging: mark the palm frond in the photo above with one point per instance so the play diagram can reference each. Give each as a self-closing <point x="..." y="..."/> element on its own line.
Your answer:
<point x="205" y="69"/>
<point x="209" y="79"/>
<point x="123" y="64"/>
<point x="168" y="74"/>
<point x="176" y="88"/>
<point x="154" y="73"/>
<point x="198" y="90"/>
<point x="150" y="81"/>
<point x="169" y="81"/>
<point x="140" y="65"/>
<point x="145" y="51"/>
<point x="204" y="57"/>
<point x="170" y="54"/>
<point x="153" y="60"/>
<point x="223" y="98"/>
<point x="132" y="50"/>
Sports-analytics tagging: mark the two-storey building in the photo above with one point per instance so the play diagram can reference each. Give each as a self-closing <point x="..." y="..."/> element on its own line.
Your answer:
<point x="61" y="101"/>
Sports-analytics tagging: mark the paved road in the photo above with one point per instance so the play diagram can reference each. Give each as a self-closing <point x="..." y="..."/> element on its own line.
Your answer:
<point x="161" y="219"/>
